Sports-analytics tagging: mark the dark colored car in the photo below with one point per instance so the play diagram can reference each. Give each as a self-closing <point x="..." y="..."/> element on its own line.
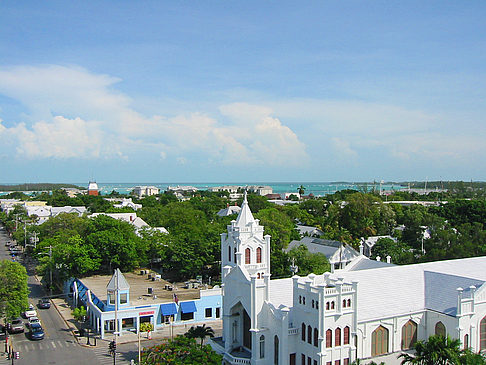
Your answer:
<point x="44" y="304"/>
<point x="15" y="326"/>
<point x="36" y="332"/>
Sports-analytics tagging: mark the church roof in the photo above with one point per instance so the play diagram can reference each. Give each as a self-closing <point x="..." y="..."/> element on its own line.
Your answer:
<point x="119" y="279"/>
<point x="244" y="217"/>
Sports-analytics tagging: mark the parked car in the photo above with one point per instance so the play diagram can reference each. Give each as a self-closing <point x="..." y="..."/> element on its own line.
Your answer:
<point x="33" y="320"/>
<point x="36" y="332"/>
<point x="16" y="325"/>
<point x="31" y="312"/>
<point x="44" y="303"/>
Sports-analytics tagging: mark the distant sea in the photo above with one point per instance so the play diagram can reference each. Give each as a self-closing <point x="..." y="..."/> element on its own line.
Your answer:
<point x="318" y="189"/>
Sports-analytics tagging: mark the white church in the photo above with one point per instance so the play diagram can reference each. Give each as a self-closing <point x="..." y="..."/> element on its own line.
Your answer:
<point x="360" y="312"/>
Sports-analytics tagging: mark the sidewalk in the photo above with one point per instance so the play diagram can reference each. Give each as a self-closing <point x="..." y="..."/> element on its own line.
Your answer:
<point x="162" y="334"/>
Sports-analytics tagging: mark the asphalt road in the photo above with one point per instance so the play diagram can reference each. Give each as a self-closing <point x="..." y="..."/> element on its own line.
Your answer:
<point x="58" y="346"/>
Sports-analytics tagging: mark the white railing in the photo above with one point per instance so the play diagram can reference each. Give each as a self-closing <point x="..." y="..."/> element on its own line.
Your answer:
<point x="293" y="331"/>
<point x="236" y="360"/>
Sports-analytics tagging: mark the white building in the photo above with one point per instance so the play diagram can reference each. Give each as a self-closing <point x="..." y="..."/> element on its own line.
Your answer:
<point x="141" y="191"/>
<point x="229" y="210"/>
<point x="127" y="203"/>
<point x="333" y="319"/>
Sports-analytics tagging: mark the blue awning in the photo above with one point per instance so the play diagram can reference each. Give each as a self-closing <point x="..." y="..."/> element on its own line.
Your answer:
<point x="168" y="309"/>
<point x="188" y="307"/>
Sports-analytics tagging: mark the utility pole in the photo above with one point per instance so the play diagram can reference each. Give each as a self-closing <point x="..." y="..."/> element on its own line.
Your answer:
<point x="50" y="270"/>
<point x="117" y="286"/>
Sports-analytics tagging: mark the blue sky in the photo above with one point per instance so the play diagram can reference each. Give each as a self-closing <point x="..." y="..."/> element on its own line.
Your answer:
<point x="222" y="91"/>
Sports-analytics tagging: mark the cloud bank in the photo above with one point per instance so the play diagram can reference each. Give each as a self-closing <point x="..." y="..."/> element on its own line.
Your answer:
<point x="73" y="113"/>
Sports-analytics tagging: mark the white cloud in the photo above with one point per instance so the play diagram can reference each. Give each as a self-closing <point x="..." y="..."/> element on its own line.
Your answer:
<point x="74" y="113"/>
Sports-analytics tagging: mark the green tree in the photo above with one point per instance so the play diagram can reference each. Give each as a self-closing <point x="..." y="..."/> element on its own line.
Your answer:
<point x="13" y="289"/>
<point x="437" y="350"/>
<point x="178" y="351"/>
<point x="200" y="332"/>
<point x="301" y="190"/>
<point x="399" y="252"/>
<point x="307" y="262"/>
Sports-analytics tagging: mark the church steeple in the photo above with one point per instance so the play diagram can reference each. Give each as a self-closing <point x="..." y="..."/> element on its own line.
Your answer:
<point x="244" y="245"/>
<point x="245" y="217"/>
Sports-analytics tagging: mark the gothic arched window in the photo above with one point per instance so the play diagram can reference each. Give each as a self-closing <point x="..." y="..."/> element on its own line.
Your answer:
<point x="259" y="255"/>
<point x="234" y="256"/>
<point x="482" y="334"/>
<point x="337" y="337"/>
<point x="316" y="337"/>
<point x="409" y="334"/>
<point x="379" y="341"/>
<point x="346" y="336"/>
<point x="247" y="256"/>
<point x="440" y="329"/>
<point x="229" y="253"/>
<point x="303" y="331"/>
<point x="262" y="347"/>
<point x="309" y="334"/>
<point x="275" y="350"/>
<point x="329" y="338"/>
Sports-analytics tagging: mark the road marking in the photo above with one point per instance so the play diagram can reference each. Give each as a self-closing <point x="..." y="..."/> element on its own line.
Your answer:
<point x="53" y="344"/>
<point x="40" y="346"/>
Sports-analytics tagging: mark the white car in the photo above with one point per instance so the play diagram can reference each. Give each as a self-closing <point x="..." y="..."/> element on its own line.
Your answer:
<point x="31" y="312"/>
<point x="33" y="320"/>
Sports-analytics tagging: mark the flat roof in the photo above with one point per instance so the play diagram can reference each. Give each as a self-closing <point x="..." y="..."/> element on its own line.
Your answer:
<point x="139" y="285"/>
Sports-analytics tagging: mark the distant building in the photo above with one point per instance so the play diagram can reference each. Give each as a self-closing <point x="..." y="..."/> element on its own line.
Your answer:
<point x="127" y="203"/>
<point x="369" y="242"/>
<point x="339" y="254"/>
<point x="260" y="190"/>
<point x="93" y="188"/>
<point x="309" y="231"/>
<point x="229" y="210"/>
<point x="141" y="191"/>
<point x="131" y="218"/>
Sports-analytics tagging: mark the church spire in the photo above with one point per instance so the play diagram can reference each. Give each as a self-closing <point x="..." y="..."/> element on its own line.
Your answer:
<point x="244" y="217"/>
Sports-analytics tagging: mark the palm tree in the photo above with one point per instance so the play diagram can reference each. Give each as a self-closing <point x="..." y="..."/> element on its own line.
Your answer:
<point x="200" y="332"/>
<point x="437" y="350"/>
<point x="301" y="190"/>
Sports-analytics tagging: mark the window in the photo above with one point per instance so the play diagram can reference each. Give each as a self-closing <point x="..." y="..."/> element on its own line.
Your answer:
<point x="300" y="299"/>
<point x="208" y="312"/>
<point x="111" y="297"/>
<point x="466" y="342"/>
<point x="349" y="303"/>
<point x="315" y="362"/>
<point x="303" y="332"/>
<point x="337" y="337"/>
<point x="247" y="256"/>
<point x="312" y="303"/>
<point x="302" y="361"/>
<point x="309" y="361"/>
<point x="259" y="255"/>
<point x="332" y="304"/>
<point x="235" y="331"/>
<point x="262" y="347"/>
<point x="329" y="363"/>
<point x="346" y="362"/>
<point x="344" y="303"/>
<point x="309" y="334"/>
<point x="123" y="298"/>
<point x="482" y="334"/>
<point x="303" y="300"/>
<point x="218" y="312"/>
<point x="329" y="338"/>
<point x="258" y="276"/>
<point x="327" y="305"/>
<point x="337" y="362"/>
<point x="379" y="341"/>
<point x="316" y="337"/>
<point x="409" y="334"/>
<point x="275" y="350"/>
<point x="293" y="359"/>
<point x="234" y="255"/>
<point x="187" y="316"/>
<point x="229" y="253"/>
<point x="346" y="336"/>
<point x="440" y="329"/>
<point x="317" y="304"/>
